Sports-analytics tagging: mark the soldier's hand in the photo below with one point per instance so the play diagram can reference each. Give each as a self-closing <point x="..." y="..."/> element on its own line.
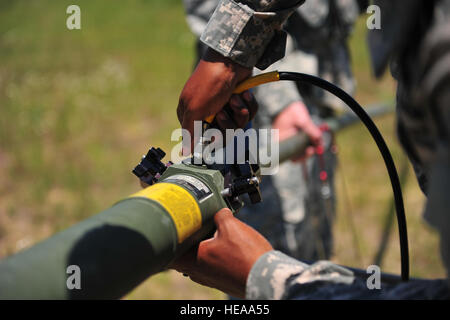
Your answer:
<point x="238" y="112"/>
<point x="296" y="118"/>
<point x="208" y="89"/>
<point x="224" y="261"/>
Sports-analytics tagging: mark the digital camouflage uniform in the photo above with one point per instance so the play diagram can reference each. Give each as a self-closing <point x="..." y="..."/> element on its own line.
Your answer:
<point x="415" y="40"/>
<point x="298" y="208"/>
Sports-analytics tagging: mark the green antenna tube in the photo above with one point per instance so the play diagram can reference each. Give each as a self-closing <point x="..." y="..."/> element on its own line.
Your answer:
<point x="120" y="247"/>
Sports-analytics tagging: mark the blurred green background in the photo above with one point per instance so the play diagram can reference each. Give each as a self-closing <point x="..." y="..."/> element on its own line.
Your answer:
<point x="79" y="107"/>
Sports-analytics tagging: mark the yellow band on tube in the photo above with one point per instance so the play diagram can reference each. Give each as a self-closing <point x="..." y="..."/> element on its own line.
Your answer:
<point x="179" y="204"/>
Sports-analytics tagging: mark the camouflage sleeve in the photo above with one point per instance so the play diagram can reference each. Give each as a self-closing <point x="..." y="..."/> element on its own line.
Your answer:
<point x="277" y="276"/>
<point x="249" y="32"/>
<point x="274" y="274"/>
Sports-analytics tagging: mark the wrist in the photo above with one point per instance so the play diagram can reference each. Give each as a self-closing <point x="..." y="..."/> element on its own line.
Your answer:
<point x="237" y="72"/>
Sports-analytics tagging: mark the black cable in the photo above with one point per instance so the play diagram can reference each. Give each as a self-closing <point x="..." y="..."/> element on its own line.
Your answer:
<point x="384" y="150"/>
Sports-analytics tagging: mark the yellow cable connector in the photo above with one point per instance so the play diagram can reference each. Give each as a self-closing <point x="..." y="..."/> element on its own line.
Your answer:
<point x="256" y="81"/>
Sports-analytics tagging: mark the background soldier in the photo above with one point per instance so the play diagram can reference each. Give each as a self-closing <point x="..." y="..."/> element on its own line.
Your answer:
<point x="298" y="207"/>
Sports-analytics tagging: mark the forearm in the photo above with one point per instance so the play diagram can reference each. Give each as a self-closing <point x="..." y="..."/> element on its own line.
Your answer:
<point x="249" y="32"/>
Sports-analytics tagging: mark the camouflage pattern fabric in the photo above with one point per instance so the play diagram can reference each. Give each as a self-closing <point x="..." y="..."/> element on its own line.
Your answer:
<point x="322" y="27"/>
<point x="276" y="276"/>
<point x="243" y="30"/>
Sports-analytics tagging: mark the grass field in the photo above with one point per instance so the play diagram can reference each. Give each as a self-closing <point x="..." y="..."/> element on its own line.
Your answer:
<point x="78" y="108"/>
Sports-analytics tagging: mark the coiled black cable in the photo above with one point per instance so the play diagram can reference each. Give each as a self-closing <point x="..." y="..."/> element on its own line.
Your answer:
<point x="384" y="150"/>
